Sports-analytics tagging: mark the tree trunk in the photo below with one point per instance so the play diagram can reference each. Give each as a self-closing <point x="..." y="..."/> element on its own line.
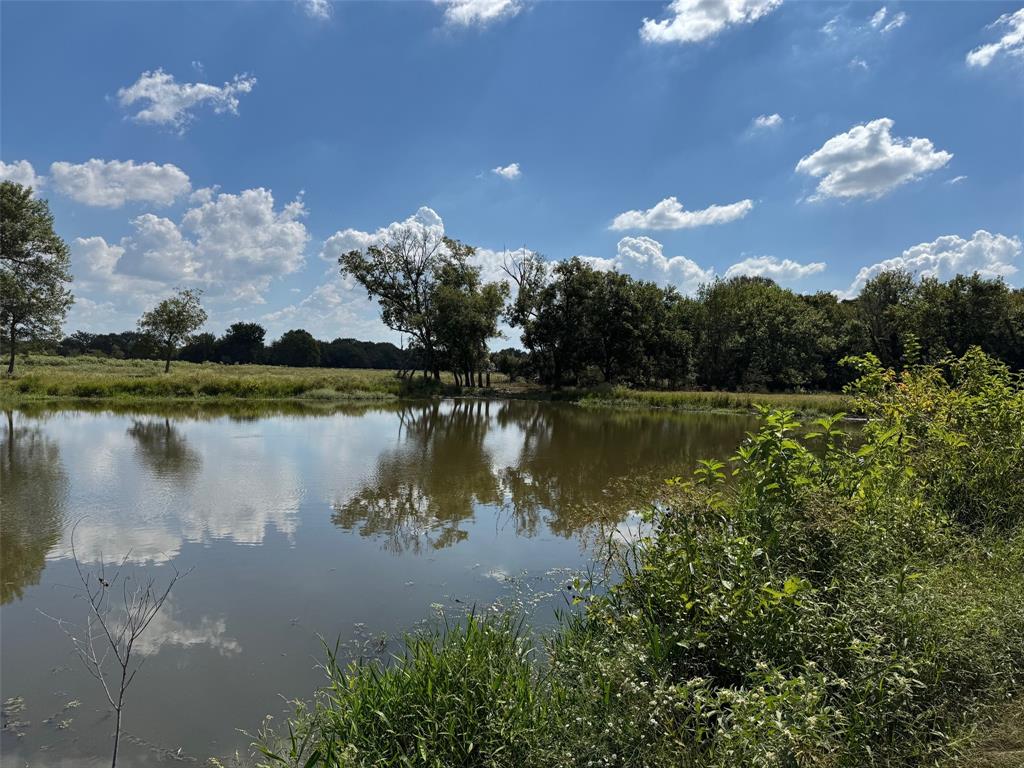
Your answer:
<point x="480" y="379"/>
<point x="10" y="364"/>
<point x="167" y="365"/>
<point x="488" y="379"/>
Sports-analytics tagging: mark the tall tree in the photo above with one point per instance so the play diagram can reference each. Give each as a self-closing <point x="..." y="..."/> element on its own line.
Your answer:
<point x="296" y="348"/>
<point x="173" y="320"/>
<point x="401" y="273"/>
<point x="467" y="317"/>
<point x="242" y="343"/>
<point x="34" y="270"/>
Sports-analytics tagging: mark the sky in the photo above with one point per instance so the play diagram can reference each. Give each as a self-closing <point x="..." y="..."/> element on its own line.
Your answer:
<point x="239" y="147"/>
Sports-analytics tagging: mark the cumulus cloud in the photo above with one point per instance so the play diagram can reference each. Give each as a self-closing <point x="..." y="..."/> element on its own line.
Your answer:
<point x="1010" y="44"/>
<point x="868" y="161"/>
<point x="767" y="122"/>
<point x="231" y="245"/>
<point x="243" y="243"/>
<point x="113" y="183"/>
<point x="985" y="253"/>
<point x="21" y="172"/>
<point x="669" y="214"/>
<point x="164" y="101"/>
<point x="691" y="21"/>
<point x="480" y="13"/>
<point x="780" y="270"/>
<point x="203" y="195"/>
<point x="425" y="220"/>
<point x="510" y="171"/>
<point x="645" y="256"/>
<point x="316" y="9"/>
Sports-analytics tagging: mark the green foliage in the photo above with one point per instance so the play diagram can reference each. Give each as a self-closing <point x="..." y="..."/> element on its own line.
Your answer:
<point x="34" y="270"/>
<point x="296" y="348"/>
<point x="173" y="320"/>
<point x="468" y="698"/>
<point x="820" y="600"/>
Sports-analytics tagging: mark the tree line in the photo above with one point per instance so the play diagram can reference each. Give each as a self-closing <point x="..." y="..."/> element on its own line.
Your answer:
<point x="577" y="325"/>
<point x="583" y="326"/>
<point x="242" y="343"/>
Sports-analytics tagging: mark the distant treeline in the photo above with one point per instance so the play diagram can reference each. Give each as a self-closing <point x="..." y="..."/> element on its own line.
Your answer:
<point x="581" y="326"/>
<point x="244" y="343"/>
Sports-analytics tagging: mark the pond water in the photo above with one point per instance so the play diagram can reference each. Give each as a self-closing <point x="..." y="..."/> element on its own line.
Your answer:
<point x="356" y="524"/>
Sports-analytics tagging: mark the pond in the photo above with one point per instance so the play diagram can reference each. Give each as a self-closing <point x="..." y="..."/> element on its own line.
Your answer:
<point x="353" y="524"/>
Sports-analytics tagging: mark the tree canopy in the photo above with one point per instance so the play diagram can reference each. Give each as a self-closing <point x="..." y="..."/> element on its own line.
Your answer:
<point x="34" y="270"/>
<point x="173" y="320"/>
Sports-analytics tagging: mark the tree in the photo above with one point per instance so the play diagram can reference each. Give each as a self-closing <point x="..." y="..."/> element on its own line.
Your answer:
<point x="296" y="348"/>
<point x="401" y="273"/>
<point x="200" y="348"/>
<point x="883" y="305"/>
<point x="242" y="343"/>
<point x="34" y="270"/>
<point x="173" y="320"/>
<point x="467" y="316"/>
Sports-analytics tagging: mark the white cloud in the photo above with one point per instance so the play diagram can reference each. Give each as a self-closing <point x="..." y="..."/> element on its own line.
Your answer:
<point x="157" y="251"/>
<point x="468" y="13"/>
<point x="113" y="183"/>
<point x="510" y="171"/>
<point x="766" y="122"/>
<point x="989" y="255"/>
<point x="858" y="63"/>
<point x="878" y="21"/>
<point x="957" y="180"/>
<point x="232" y="246"/>
<point x="21" y="172"/>
<point x="645" y="256"/>
<point x="316" y="9"/>
<point x="243" y="243"/>
<point x="203" y="195"/>
<point x="780" y="270"/>
<point x="167" y="102"/>
<point x="644" y="259"/>
<point x="669" y="214"/>
<point x="1010" y="44"/>
<point x="344" y="240"/>
<point x="691" y="21"/>
<point x="867" y="161"/>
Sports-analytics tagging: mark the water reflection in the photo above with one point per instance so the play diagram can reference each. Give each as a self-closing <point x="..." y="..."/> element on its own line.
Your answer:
<point x="33" y="490"/>
<point x="560" y="469"/>
<point x="283" y="513"/>
<point x="424" y="488"/>
<point x="165" y="450"/>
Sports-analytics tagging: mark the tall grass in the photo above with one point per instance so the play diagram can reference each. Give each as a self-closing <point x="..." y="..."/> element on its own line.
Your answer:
<point x="835" y="605"/>
<point x="804" y="403"/>
<point x="46" y="377"/>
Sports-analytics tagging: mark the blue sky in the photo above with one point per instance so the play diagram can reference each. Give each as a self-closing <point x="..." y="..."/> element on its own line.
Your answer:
<point x="237" y="147"/>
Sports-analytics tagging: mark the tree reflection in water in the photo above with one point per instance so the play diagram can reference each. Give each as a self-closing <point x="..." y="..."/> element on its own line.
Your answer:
<point x="562" y="469"/>
<point x="164" y="449"/>
<point x="33" y="494"/>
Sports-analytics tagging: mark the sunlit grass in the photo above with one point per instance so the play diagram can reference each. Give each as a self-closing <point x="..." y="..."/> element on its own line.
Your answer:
<point x="622" y="397"/>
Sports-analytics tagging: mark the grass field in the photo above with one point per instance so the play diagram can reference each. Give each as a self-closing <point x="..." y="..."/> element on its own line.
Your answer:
<point x="40" y="378"/>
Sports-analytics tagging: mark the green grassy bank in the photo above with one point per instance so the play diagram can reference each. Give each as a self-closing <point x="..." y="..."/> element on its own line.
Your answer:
<point x="41" y="378"/>
<point x="835" y="605"/>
